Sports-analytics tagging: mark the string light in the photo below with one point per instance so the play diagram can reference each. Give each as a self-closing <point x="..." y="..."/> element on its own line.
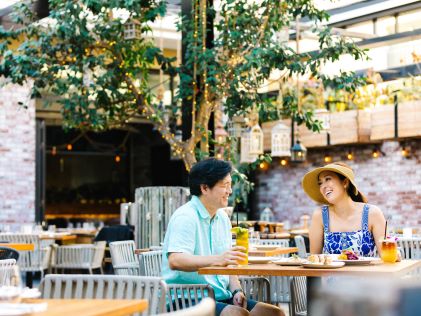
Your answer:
<point x="375" y="153"/>
<point x="406" y="152"/>
<point x="349" y="155"/>
<point x="69" y="147"/>
<point x="283" y="162"/>
<point x="117" y="158"/>
<point x="54" y="150"/>
<point x="327" y="158"/>
<point x="264" y="166"/>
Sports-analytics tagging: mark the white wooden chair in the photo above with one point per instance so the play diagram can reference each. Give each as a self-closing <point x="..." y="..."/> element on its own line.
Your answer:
<point x="123" y="258"/>
<point x="34" y="260"/>
<point x="83" y="256"/>
<point x="151" y="263"/>
<point x="298" y="290"/>
<point x="9" y="273"/>
<point x="206" y="307"/>
<point x="83" y="286"/>
<point x="411" y="247"/>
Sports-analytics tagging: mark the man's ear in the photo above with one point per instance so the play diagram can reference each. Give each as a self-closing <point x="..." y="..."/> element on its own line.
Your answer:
<point x="204" y="188"/>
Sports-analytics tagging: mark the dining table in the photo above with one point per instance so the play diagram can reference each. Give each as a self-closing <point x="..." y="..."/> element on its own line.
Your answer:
<point x="375" y="269"/>
<point x="89" y="307"/>
<point x="271" y="251"/>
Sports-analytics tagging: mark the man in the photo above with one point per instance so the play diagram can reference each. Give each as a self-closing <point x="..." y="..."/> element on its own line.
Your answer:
<point x="199" y="235"/>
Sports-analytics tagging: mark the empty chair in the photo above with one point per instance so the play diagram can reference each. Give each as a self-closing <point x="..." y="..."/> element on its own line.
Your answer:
<point x="8" y="253"/>
<point x="181" y="296"/>
<point x="298" y="290"/>
<point x="206" y="307"/>
<point x="123" y="258"/>
<point x="34" y="260"/>
<point x="279" y="286"/>
<point x="256" y="288"/>
<point x="79" y="257"/>
<point x="151" y="262"/>
<point x="9" y="273"/>
<point x="82" y="286"/>
<point x="410" y="247"/>
<point x="301" y="245"/>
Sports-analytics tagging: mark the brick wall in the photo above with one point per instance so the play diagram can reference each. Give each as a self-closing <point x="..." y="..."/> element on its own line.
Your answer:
<point x="391" y="182"/>
<point x="17" y="157"/>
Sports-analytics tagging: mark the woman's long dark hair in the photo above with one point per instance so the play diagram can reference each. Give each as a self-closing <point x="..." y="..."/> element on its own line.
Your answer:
<point x="351" y="190"/>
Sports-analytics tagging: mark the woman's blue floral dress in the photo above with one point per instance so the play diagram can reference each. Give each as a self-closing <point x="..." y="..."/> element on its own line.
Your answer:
<point x="360" y="241"/>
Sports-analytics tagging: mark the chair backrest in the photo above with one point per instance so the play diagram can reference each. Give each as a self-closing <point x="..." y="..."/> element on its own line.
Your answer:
<point x="123" y="258"/>
<point x="256" y="288"/>
<point x="189" y="294"/>
<point x="9" y="273"/>
<point x="35" y="260"/>
<point x="301" y="245"/>
<point x="81" y="286"/>
<point x="81" y="256"/>
<point x="206" y="307"/>
<point x="8" y="253"/>
<point x="151" y="262"/>
<point x="298" y="290"/>
<point x="411" y="247"/>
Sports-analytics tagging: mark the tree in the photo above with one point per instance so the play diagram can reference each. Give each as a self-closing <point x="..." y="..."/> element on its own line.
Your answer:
<point x="101" y="80"/>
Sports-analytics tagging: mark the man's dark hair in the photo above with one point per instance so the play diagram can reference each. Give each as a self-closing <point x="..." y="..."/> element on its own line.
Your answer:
<point x="208" y="172"/>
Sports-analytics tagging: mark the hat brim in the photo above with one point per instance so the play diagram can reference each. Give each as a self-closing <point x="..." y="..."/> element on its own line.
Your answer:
<point x="311" y="186"/>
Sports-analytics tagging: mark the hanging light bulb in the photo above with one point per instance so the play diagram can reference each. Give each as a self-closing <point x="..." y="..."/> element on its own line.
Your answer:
<point x="406" y="151"/>
<point x="327" y="158"/>
<point x="69" y="147"/>
<point x="283" y="162"/>
<point x="264" y="166"/>
<point x="375" y="153"/>
<point x="117" y="158"/>
<point x="349" y="155"/>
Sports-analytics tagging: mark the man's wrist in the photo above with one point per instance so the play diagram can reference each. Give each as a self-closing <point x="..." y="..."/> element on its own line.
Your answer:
<point x="236" y="291"/>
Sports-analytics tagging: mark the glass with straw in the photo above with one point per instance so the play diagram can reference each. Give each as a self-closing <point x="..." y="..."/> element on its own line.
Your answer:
<point x="389" y="248"/>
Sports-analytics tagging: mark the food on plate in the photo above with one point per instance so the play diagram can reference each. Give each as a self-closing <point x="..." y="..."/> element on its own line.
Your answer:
<point x="348" y="255"/>
<point x="320" y="259"/>
<point x="295" y="258"/>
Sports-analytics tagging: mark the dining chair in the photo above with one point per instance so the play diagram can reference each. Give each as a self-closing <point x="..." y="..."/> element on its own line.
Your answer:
<point x="151" y="265"/>
<point x="9" y="273"/>
<point x="83" y="286"/>
<point x="123" y="258"/>
<point x="411" y="247"/>
<point x="81" y="256"/>
<point x="206" y="307"/>
<point x="301" y="245"/>
<point x="279" y="286"/>
<point x="256" y="288"/>
<point x="298" y="290"/>
<point x="8" y="253"/>
<point x="37" y="260"/>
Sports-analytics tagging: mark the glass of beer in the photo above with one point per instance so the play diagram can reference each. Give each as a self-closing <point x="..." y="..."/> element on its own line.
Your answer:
<point x="243" y="241"/>
<point x="389" y="251"/>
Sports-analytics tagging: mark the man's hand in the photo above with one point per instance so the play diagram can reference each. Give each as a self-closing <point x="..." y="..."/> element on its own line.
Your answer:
<point x="239" y="299"/>
<point x="231" y="256"/>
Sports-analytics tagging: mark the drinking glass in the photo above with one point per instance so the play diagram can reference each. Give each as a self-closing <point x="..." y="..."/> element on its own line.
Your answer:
<point x="243" y="240"/>
<point x="389" y="250"/>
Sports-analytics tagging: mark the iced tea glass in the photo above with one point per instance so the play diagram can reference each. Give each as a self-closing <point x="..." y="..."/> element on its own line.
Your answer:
<point x="243" y="241"/>
<point x="389" y="250"/>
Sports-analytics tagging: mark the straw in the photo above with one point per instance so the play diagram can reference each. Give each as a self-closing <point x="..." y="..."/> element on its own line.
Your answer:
<point x="385" y="230"/>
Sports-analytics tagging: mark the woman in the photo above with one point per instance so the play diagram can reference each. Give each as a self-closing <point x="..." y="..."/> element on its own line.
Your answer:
<point x="345" y="221"/>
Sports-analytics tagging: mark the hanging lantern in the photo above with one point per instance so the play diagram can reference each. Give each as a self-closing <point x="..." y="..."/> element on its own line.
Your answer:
<point x="281" y="141"/>
<point x="236" y="126"/>
<point x="245" y="155"/>
<point x="132" y="30"/>
<point x="298" y="152"/>
<point x="256" y="140"/>
<point x="323" y="116"/>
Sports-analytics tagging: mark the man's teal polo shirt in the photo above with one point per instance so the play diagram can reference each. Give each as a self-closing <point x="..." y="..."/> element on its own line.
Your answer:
<point x="191" y="230"/>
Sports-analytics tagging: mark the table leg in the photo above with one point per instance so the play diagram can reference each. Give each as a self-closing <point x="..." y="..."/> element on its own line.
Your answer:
<point x="313" y="284"/>
<point x="29" y="279"/>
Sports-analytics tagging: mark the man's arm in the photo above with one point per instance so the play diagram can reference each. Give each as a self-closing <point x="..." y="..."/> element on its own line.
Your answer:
<point x="190" y="263"/>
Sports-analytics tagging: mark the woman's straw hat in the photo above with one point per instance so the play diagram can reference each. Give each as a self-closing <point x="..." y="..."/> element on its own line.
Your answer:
<point x="311" y="179"/>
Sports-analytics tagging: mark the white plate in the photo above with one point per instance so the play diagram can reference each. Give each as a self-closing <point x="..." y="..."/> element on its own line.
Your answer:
<point x="286" y="262"/>
<point x="30" y="293"/>
<point x="360" y="261"/>
<point x="260" y="259"/>
<point x="265" y="247"/>
<point x="333" y="265"/>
